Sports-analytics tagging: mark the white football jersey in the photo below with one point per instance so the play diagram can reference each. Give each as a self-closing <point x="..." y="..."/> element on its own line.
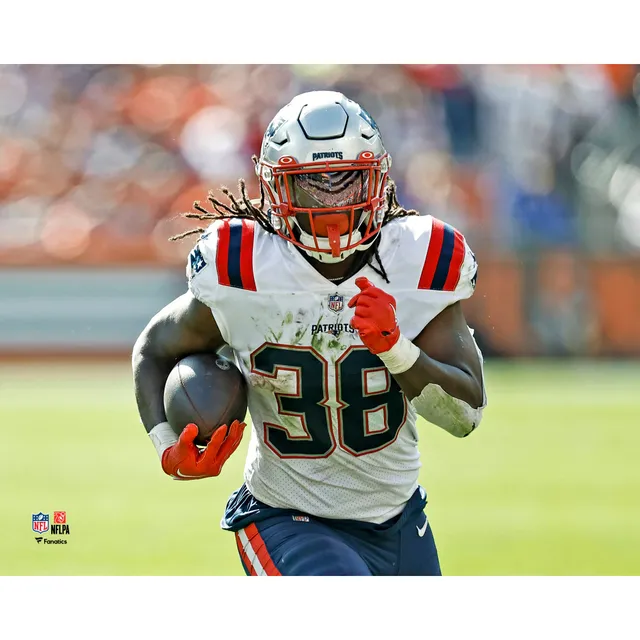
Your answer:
<point x="333" y="435"/>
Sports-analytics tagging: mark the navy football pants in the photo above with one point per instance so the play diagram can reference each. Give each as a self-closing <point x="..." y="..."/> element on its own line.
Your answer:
<point x="299" y="545"/>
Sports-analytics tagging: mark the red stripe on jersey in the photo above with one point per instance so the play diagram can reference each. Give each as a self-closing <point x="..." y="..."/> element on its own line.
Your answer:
<point x="243" y="555"/>
<point x="260" y="549"/>
<point x="433" y="254"/>
<point x="246" y="256"/>
<point x="453" y="276"/>
<point x="222" y="254"/>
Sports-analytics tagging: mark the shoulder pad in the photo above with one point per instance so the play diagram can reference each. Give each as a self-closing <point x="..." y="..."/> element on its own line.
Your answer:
<point x="449" y="265"/>
<point x="228" y="246"/>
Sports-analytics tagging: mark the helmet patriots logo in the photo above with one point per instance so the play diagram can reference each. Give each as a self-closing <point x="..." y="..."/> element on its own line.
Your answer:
<point x="367" y="116"/>
<point x="274" y="125"/>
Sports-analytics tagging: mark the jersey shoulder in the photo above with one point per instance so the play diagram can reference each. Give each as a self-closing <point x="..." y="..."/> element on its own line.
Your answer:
<point x="432" y="255"/>
<point x="224" y="257"/>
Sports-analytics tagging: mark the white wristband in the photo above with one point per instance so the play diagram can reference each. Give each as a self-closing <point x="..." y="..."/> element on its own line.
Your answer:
<point x="401" y="357"/>
<point x="163" y="437"/>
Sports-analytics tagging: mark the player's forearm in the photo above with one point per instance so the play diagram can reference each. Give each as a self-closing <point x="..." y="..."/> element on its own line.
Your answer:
<point x="150" y="372"/>
<point x="446" y="396"/>
<point x="449" y="396"/>
<point x="185" y="326"/>
<point x="456" y="382"/>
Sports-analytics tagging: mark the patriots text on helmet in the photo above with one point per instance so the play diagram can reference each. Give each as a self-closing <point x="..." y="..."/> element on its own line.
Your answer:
<point x="327" y="155"/>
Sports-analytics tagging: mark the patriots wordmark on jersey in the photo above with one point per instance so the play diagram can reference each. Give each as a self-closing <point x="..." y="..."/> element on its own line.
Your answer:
<point x="333" y="435"/>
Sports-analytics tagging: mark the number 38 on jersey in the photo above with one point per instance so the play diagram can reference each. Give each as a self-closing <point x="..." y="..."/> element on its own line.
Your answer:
<point x="354" y="403"/>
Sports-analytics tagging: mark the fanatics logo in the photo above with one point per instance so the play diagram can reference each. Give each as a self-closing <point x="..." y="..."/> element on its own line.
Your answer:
<point x="336" y="303"/>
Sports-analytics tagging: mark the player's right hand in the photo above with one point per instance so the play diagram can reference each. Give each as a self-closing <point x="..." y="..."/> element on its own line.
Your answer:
<point x="184" y="461"/>
<point x="375" y="317"/>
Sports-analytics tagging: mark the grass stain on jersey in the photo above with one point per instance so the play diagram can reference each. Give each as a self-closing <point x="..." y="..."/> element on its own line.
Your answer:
<point x="316" y="341"/>
<point x="288" y="319"/>
<point x="299" y="334"/>
<point x="275" y="335"/>
<point x="291" y="424"/>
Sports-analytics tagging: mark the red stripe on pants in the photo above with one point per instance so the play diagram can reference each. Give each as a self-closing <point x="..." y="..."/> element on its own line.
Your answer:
<point x="244" y="557"/>
<point x="260" y="549"/>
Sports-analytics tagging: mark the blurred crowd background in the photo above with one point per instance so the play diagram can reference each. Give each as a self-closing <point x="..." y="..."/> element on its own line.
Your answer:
<point x="538" y="165"/>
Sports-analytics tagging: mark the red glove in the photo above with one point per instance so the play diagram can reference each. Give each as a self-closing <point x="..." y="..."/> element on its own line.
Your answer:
<point x="184" y="461"/>
<point x="375" y="317"/>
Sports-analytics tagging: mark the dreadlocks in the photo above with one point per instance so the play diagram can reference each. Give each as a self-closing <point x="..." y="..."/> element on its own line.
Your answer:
<point x="242" y="207"/>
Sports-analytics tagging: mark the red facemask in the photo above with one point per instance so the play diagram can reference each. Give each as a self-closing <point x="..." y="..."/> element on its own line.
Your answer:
<point x="330" y="199"/>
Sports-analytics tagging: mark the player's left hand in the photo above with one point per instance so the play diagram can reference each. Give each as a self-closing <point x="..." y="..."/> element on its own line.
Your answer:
<point x="375" y="317"/>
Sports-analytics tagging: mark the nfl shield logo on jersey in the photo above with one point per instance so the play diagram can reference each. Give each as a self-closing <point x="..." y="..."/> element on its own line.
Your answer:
<point x="336" y="303"/>
<point x="40" y="522"/>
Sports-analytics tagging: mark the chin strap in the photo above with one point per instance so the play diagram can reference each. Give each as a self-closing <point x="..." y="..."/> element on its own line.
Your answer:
<point x="338" y="254"/>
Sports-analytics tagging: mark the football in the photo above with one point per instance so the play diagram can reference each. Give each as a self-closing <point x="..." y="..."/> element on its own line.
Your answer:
<point x="207" y="390"/>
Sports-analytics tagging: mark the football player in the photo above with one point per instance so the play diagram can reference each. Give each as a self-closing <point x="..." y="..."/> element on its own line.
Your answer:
<point x="343" y="313"/>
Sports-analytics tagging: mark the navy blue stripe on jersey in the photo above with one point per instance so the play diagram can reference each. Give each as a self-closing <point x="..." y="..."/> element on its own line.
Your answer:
<point x="235" y="241"/>
<point x="444" y="261"/>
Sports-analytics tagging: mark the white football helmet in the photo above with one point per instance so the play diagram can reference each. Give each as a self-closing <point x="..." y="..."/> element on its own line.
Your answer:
<point x="324" y="169"/>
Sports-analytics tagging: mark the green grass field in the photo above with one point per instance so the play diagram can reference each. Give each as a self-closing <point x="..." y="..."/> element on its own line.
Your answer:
<point x="549" y="484"/>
